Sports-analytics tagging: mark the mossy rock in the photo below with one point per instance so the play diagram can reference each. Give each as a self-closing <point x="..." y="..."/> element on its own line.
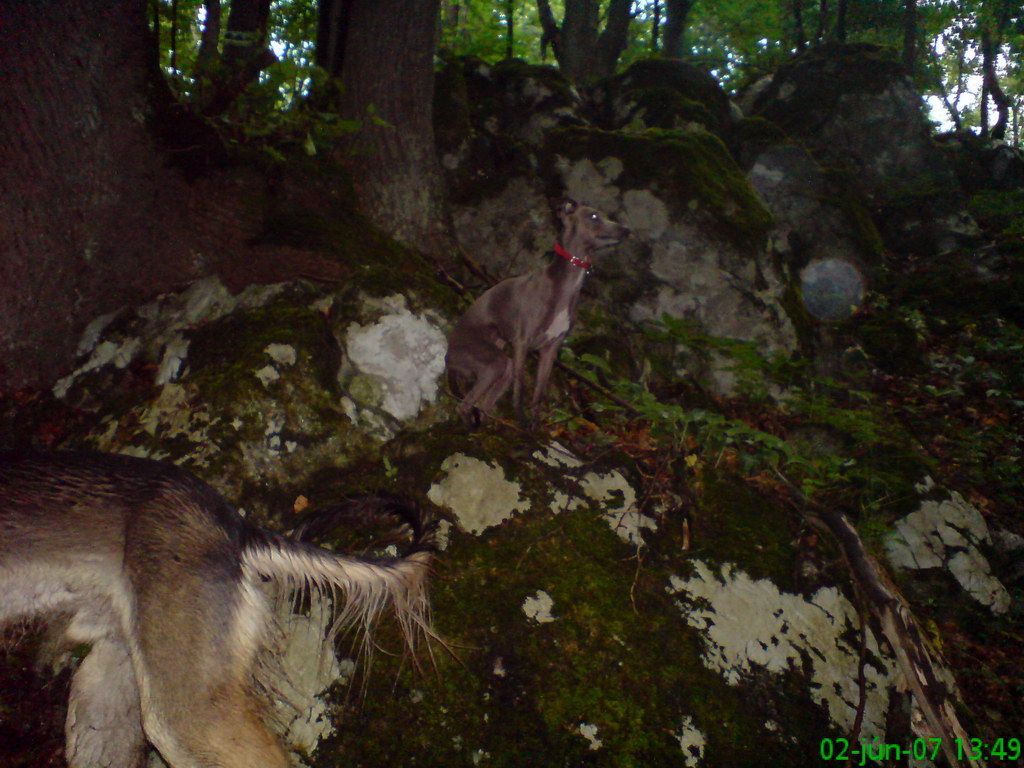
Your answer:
<point x="804" y="92"/>
<point x="751" y="136"/>
<point x="666" y="92"/>
<point x="892" y="343"/>
<point x="504" y="96"/>
<point x="661" y="107"/>
<point x="689" y="169"/>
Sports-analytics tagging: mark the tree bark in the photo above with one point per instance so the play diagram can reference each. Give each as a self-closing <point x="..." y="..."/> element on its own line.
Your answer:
<point x="613" y="39"/>
<point x="579" y="39"/>
<point x="331" y="32"/>
<point x="799" y="36"/>
<point x="991" y="87"/>
<point x="210" y="40"/>
<point x="584" y="54"/>
<point x="510" y="26"/>
<point x="90" y="214"/>
<point x="655" y="26"/>
<point x="910" y="35"/>
<point x="387" y="78"/>
<point x="841" y="21"/>
<point x="676" y="13"/>
<point x="551" y="35"/>
<point x="246" y="35"/>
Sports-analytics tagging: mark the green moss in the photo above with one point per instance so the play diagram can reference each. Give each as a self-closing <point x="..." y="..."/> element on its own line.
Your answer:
<point x="739" y="525"/>
<point x="844" y="196"/>
<point x="802" y="320"/>
<point x="519" y="687"/>
<point x="688" y="81"/>
<point x="686" y="168"/>
<point x="891" y="342"/>
<point x="660" y="107"/>
<point x="819" y="77"/>
<point x="1001" y="212"/>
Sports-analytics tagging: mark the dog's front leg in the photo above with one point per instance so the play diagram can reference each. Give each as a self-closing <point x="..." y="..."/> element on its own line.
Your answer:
<point x="547" y="361"/>
<point x="518" y="364"/>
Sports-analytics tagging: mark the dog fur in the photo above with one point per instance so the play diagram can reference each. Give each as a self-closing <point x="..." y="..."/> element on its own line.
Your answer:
<point x="529" y="312"/>
<point x="159" y="574"/>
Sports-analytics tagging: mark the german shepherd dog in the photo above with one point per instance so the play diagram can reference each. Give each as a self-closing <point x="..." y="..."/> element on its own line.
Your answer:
<point x="160" y="575"/>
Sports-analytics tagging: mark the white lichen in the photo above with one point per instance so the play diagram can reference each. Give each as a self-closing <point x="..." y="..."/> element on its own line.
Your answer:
<point x="747" y="624"/>
<point x="477" y="493"/>
<point x="405" y="353"/>
<point x="692" y="742"/>
<point x="538" y="607"/>
<point x="946" y="534"/>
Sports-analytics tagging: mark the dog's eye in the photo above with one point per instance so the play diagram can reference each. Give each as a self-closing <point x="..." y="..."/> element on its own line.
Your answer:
<point x="594" y="216"/>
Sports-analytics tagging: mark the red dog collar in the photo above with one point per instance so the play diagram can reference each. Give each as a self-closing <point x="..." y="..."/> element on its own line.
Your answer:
<point x="574" y="260"/>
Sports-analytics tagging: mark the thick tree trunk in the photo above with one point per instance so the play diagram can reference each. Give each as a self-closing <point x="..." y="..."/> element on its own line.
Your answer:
<point x="910" y="35"/>
<point x="579" y="39"/>
<point x="88" y="210"/>
<point x="841" y="21"/>
<point x="331" y="32"/>
<point x="799" y="36"/>
<point x="246" y="53"/>
<point x="583" y="54"/>
<point x="613" y="39"/>
<point x="209" y="51"/>
<point x="246" y="35"/>
<point x="676" y="14"/>
<point x="387" y="77"/>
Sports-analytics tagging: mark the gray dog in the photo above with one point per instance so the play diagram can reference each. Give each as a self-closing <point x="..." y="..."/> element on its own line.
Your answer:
<point x="155" y="571"/>
<point x="530" y="312"/>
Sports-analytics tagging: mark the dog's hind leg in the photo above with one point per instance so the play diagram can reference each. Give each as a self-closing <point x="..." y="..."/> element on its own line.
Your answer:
<point x="201" y="621"/>
<point x="104" y="722"/>
<point x="493" y="378"/>
<point x="201" y="708"/>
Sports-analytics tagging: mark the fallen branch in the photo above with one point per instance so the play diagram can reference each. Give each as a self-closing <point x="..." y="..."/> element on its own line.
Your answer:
<point x="914" y="656"/>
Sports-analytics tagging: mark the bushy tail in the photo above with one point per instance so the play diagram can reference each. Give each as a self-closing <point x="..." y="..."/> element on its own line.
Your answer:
<point x="362" y="588"/>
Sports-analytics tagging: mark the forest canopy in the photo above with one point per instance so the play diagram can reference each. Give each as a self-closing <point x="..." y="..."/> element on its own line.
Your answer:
<point x="962" y="53"/>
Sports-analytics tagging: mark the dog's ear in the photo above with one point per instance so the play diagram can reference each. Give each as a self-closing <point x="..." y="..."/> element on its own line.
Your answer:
<point x="565" y="206"/>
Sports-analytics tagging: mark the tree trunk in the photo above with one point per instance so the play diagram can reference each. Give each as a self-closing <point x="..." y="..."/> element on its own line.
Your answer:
<point x="822" y="19"/>
<point x="991" y="87"/>
<point x="208" y="43"/>
<point x="510" y="26"/>
<point x="910" y="36"/>
<point x="387" y="78"/>
<point x="676" y="13"/>
<point x="579" y="39"/>
<point x="552" y="33"/>
<point x="246" y="35"/>
<point x="246" y="53"/>
<point x="331" y="32"/>
<point x="841" y="21"/>
<point x="655" y="26"/>
<point x="613" y="39"/>
<point x="584" y="55"/>
<point x="799" y="36"/>
<point x="90" y="215"/>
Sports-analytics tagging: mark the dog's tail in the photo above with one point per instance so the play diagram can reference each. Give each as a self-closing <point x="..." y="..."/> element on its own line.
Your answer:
<point x="362" y="588"/>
